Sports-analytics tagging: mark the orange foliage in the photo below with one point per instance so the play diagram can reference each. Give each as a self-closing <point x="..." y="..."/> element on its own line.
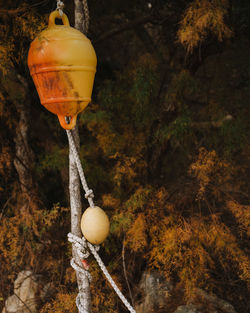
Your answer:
<point x="26" y="237"/>
<point x="5" y="160"/>
<point x="109" y="201"/>
<point x="136" y="238"/>
<point x="210" y="172"/>
<point x="201" y="18"/>
<point x="193" y="247"/>
<point x="241" y="214"/>
<point x="64" y="302"/>
<point x="104" y="299"/>
<point x="26" y="26"/>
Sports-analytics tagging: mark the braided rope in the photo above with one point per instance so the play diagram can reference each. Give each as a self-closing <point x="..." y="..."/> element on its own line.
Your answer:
<point x="60" y="6"/>
<point x="89" y="195"/>
<point x="82" y="244"/>
<point x="83" y="253"/>
<point x="109" y="278"/>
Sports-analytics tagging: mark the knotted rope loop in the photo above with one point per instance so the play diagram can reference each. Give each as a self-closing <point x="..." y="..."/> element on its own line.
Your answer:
<point x="80" y="244"/>
<point x="82" y="251"/>
<point x="60" y="6"/>
<point x="89" y="194"/>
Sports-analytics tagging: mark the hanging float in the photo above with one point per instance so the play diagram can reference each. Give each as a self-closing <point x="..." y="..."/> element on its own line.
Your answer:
<point x="62" y="63"/>
<point x="95" y="225"/>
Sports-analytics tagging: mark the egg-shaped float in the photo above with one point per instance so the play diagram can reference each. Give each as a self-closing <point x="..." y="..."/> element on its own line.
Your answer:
<point x="95" y="225"/>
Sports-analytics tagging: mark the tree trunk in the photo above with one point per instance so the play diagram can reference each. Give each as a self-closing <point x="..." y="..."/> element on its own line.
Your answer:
<point x="75" y="188"/>
<point x="76" y="213"/>
<point x="24" y="159"/>
<point x="79" y="15"/>
<point x="16" y="90"/>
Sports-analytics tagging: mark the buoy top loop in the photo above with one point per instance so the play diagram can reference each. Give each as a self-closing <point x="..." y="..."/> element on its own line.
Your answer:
<point x="56" y="14"/>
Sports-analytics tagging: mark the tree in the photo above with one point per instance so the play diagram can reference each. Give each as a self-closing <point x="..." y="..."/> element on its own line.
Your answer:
<point x="74" y="181"/>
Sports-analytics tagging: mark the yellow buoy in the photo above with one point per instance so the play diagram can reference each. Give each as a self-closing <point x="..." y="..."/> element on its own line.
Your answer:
<point x="95" y="225"/>
<point x="62" y="63"/>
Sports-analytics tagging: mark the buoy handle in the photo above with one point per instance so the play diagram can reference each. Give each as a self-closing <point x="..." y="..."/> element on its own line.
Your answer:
<point x="64" y="124"/>
<point x="56" y="14"/>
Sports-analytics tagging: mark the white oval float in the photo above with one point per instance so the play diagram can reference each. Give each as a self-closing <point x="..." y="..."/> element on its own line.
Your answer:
<point x="95" y="225"/>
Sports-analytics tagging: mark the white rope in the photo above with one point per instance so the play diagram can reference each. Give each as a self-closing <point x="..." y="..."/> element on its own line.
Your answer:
<point x="83" y="253"/>
<point x="89" y="195"/>
<point x="82" y="244"/>
<point x="60" y="6"/>
<point x="109" y="278"/>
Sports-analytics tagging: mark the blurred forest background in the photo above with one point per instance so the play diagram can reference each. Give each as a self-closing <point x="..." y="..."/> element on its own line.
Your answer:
<point x="164" y="144"/>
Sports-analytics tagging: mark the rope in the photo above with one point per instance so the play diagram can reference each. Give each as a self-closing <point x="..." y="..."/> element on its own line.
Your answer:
<point x="60" y="6"/>
<point x="83" y="253"/>
<point x="109" y="278"/>
<point x="89" y="195"/>
<point x="81" y="244"/>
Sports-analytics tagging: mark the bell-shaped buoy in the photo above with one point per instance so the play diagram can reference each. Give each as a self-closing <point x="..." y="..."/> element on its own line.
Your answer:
<point x="62" y="63"/>
<point x="95" y="225"/>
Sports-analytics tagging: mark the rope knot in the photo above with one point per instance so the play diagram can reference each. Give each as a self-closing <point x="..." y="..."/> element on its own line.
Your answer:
<point x="82" y="250"/>
<point x="89" y="194"/>
<point x="60" y="6"/>
<point x="80" y="244"/>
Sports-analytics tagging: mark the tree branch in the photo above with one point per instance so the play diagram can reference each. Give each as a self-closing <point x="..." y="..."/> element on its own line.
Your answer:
<point x="125" y="272"/>
<point x="127" y="26"/>
<point x="12" y="12"/>
<point x="210" y="124"/>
